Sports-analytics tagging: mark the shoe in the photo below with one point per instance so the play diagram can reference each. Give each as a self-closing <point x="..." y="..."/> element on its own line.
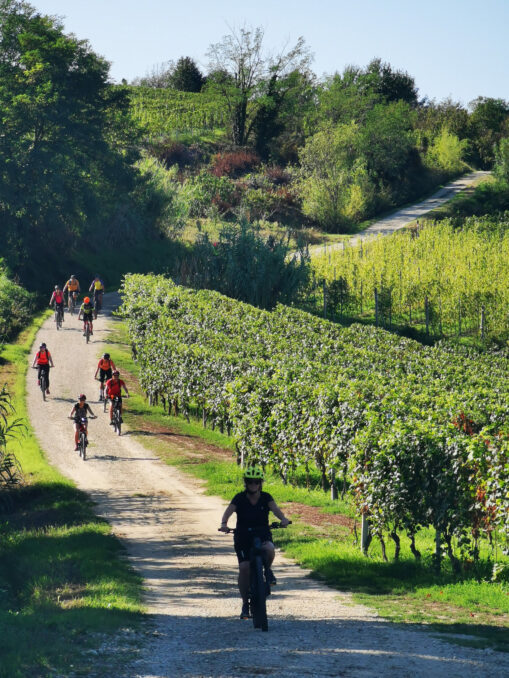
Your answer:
<point x="83" y="333"/>
<point x="100" y="397"/>
<point x="76" y="448"/>
<point x="269" y="576"/>
<point x="245" y="614"/>
<point x="47" y="391"/>
<point x="112" y="424"/>
<point x="38" y="382"/>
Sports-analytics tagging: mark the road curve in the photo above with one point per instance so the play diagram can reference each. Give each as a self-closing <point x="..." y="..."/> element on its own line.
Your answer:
<point x="169" y="528"/>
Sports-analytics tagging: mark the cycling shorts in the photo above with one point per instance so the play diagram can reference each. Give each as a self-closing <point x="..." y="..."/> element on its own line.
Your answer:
<point x="104" y="375"/>
<point x="242" y="542"/>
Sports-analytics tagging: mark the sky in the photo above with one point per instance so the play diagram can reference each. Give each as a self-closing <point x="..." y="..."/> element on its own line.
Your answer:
<point x="452" y="48"/>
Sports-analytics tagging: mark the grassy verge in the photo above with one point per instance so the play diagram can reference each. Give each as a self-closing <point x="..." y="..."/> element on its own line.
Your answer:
<point x="324" y="537"/>
<point x="66" y="588"/>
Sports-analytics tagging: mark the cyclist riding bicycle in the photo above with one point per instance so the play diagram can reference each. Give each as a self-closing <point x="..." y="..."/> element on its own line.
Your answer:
<point x="57" y="298"/>
<point x="114" y="388"/>
<point x="97" y="287"/>
<point x="104" y="367"/>
<point x="87" y="313"/>
<point x="252" y="508"/>
<point x="80" y="410"/>
<point x="72" y="287"/>
<point x="43" y="361"/>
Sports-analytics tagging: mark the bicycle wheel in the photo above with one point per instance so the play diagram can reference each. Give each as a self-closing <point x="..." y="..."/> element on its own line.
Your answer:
<point x="258" y="596"/>
<point x="56" y="320"/>
<point x="83" y="445"/>
<point x="43" y="385"/>
<point x="118" y="424"/>
<point x="60" y="319"/>
<point x="87" y="333"/>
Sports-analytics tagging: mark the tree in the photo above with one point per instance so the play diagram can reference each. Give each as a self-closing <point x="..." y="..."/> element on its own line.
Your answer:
<point x="67" y="141"/>
<point x="249" y="80"/>
<point x="186" y="76"/>
<point x="159" y="77"/>
<point x="502" y="160"/>
<point x="489" y="122"/>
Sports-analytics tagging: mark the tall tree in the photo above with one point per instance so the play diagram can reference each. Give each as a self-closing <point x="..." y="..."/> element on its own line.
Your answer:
<point x="247" y="78"/>
<point x="488" y="123"/>
<point x="186" y="76"/>
<point x="66" y="145"/>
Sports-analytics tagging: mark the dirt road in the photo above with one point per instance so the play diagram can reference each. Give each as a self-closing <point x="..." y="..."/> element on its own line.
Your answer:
<point x="169" y="529"/>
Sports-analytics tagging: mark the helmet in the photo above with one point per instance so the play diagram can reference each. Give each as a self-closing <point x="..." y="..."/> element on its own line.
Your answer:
<point x="116" y="372"/>
<point x="73" y="276"/>
<point x="43" y="345"/>
<point x="57" y="287"/>
<point x="106" y="356"/>
<point x="82" y="396"/>
<point x="86" y="300"/>
<point x="254" y="473"/>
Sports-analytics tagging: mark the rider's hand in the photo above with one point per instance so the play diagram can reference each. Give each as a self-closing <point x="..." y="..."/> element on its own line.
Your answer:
<point x="224" y="528"/>
<point x="285" y="522"/>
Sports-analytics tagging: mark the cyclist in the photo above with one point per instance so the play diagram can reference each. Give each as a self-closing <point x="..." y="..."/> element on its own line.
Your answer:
<point x="114" y="388"/>
<point x="72" y="287"/>
<point x="43" y="361"/>
<point x="97" y="287"/>
<point x="57" y="298"/>
<point x="252" y="508"/>
<point x="87" y="313"/>
<point x="104" y="367"/>
<point x="80" y="410"/>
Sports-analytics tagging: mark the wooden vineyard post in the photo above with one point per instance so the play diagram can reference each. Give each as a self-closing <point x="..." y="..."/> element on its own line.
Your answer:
<point x="361" y="295"/>
<point x="365" y="535"/>
<point x="324" y="299"/>
<point x="483" y="321"/>
<point x="459" y="317"/>
<point x="376" y="307"/>
<point x="426" y="312"/>
<point x="333" y="486"/>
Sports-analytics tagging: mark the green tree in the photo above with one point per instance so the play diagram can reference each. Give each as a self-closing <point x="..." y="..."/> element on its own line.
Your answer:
<point x="502" y="160"/>
<point x="446" y="151"/>
<point x="186" y="76"/>
<point x="66" y="139"/>
<point x="246" y="78"/>
<point x="489" y="122"/>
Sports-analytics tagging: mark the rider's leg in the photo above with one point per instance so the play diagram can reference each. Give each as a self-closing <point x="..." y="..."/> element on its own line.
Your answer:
<point x="76" y="434"/>
<point x="270" y="552"/>
<point x="244" y="580"/>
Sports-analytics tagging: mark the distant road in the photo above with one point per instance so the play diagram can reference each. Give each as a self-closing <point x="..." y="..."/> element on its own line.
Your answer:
<point x="405" y="216"/>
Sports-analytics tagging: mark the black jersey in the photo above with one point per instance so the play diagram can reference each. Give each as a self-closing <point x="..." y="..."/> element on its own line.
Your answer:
<point x="249" y="515"/>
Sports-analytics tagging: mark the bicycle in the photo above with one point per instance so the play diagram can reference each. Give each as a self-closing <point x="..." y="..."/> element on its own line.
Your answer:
<point x="259" y="586"/>
<point x="83" y="439"/>
<point x="43" y="383"/>
<point x="117" y="414"/>
<point x="71" y="301"/>
<point x="98" y="302"/>
<point x="87" y="330"/>
<point x="59" y="317"/>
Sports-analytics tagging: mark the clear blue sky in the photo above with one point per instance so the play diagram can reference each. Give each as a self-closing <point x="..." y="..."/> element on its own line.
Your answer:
<point x="456" y="48"/>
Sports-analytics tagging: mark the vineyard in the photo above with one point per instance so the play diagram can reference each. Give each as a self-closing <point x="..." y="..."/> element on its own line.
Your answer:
<point x="437" y="278"/>
<point x="170" y="112"/>
<point x="417" y="436"/>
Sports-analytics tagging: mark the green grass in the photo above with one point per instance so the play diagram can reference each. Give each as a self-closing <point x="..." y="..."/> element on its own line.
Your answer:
<point x="406" y="591"/>
<point x="66" y="587"/>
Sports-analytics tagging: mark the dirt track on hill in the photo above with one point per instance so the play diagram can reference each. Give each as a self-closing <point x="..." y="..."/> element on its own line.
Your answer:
<point x="169" y="528"/>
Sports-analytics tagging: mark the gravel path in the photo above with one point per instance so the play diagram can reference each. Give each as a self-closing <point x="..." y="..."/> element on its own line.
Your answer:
<point x="405" y="216"/>
<point x="169" y="529"/>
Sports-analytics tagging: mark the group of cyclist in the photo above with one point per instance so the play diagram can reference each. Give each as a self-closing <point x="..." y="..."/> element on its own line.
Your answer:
<point x="88" y="308"/>
<point x="111" y="386"/>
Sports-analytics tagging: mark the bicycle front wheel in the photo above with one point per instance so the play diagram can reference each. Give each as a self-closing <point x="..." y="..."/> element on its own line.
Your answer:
<point x="258" y="596"/>
<point x="43" y="385"/>
<point x="83" y="446"/>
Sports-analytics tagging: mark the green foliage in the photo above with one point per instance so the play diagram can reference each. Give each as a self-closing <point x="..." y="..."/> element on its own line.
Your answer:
<point x="446" y="152"/>
<point x="16" y="306"/>
<point x="402" y="423"/>
<point x="245" y="266"/>
<point x="459" y="271"/>
<point x="186" y="76"/>
<point x="502" y="160"/>
<point x="488" y="123"/>
<point x="207" y="195"/>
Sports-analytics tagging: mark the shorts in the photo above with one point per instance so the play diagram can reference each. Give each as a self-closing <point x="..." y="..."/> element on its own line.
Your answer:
<point x="88" y="317"/>
<point x="242" y="543"/>
<point x="104" y="375"/>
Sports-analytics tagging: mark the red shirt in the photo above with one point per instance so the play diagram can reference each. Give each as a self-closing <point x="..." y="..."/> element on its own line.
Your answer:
<point x="114" y="388"/>
<point x="42" y="357"/>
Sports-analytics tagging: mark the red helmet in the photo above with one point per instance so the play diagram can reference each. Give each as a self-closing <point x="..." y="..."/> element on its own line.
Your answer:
<point x="86" y="300"/>
<point x="82" y="396"/>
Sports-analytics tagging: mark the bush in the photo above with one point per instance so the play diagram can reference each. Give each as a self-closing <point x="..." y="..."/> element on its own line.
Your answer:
<point x="206" y="192"/>
<point x="234" y="164"/>
<point x="170" y="153"/>
<point x="16" y="306"/>
<point x="446" y="152"/>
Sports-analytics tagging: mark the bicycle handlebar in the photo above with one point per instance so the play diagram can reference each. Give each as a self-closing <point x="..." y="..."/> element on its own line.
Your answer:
<point x="272" y="526"/>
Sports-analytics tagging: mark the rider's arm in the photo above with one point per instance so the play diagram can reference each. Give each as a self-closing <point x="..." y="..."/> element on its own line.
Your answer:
<point x="277" y="512"/>
<point x="125" y="389"/>
<point x="97" y="370"/>
<point x="72" y="412"/>
<point x="89" y="409"/>
<point x="230" y="510"/>
<point x="51" y="300"/>
<point x="50" y="358"/>
<point x="35" y="360"/>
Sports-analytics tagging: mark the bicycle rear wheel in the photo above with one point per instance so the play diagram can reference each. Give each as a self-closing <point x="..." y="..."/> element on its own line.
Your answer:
<point x="117" y="422"/>
<point x="43" y="384"/>
<point x="258" y="596"/>
<point x="83" y="445"/>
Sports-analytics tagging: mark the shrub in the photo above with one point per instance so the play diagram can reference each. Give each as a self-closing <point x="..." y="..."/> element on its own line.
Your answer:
<point x="170" y="153"/>
<point x="16" y="306"/>
<point x="277" y="175"/>
<point x="234" y="164"/>
<point x="206" y="191"/>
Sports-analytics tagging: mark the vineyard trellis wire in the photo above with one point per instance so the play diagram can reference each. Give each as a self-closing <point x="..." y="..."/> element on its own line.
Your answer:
<point x="419" y="435"/>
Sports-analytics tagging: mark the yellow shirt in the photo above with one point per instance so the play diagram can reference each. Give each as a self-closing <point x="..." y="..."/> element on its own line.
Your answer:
<point x="98" y="285"/>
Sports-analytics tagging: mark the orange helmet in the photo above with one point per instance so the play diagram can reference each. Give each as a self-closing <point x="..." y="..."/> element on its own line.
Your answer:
<point x="86" y="300"/>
